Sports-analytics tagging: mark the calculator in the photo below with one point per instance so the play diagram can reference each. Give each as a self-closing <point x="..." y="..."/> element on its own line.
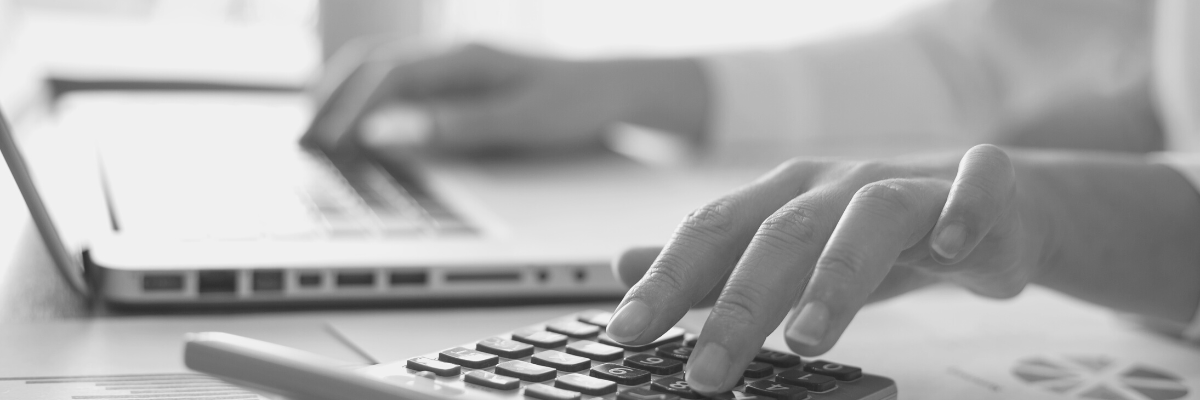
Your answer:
<point x="572" y="358"/>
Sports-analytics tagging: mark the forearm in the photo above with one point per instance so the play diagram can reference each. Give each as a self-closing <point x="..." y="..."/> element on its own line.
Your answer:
<point x="1123" y="233"/>
<point x="671" y="95"/>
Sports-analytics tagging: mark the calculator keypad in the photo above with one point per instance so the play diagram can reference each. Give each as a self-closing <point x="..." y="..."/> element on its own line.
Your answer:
<point x="585" y="384"/>
<point x="595" y="351"/>
<point x="561" y="361"/>
<point x="488" y="379"/>
<point x="655" y="364"/>
<point x="574" y="359"/>
<point x="526" y="371"/>
<point x="504" y="347"/>
<point x="621" y="374"/>
<point x="539" y="338"/>
<point x="468" y="358"/>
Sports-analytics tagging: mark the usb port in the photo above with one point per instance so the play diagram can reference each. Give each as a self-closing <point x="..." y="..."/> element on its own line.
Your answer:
<point x="355" y="279"/>
<point x="162" y="282"/>
<point x="217" y="282"/>
<point x="408" y="278"/>
<point x="309" y="279"/>
<point x="268" y="280"/>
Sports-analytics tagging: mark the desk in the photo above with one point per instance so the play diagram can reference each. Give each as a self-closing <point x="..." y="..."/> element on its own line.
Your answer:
<point x="937" y="344"/>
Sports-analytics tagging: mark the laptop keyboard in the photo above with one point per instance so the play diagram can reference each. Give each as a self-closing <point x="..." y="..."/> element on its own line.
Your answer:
<point x="573" y="359"/>
<point x="365" y="200"/>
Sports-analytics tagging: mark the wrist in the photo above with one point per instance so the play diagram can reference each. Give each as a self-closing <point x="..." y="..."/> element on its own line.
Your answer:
<point x="666" y="94"/>
<point x="1119" y="232"/>
<point x="1040" y="213"/>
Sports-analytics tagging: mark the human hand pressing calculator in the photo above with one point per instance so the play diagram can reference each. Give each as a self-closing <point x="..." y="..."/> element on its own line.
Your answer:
<point x="562" y="359"/>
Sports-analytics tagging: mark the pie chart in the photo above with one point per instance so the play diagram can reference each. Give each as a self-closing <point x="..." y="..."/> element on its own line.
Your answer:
<point x="1099" y="378"/>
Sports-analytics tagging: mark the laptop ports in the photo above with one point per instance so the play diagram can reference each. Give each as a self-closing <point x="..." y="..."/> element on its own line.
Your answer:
<point x="162" y="283"/>
<point x="483" y="277"/>
<point x="268" y="281"/>
<point x="309" y="280"/>
<point x="356" y="279"/>
<point x="217" y="282"/>
<point x="407" y="278"/>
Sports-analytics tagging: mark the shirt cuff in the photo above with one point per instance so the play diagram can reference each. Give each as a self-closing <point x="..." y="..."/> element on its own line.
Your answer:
<point x="1188" y="165"/>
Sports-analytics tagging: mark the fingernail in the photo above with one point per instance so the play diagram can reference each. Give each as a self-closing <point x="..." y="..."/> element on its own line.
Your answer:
<point x="709" y="368"/>
<point x="809" y="326"/>
<point x="950" y="240"/>
<point x="629" y="321"/>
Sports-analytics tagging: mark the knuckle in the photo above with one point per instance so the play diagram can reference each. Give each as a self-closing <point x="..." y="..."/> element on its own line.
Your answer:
<point x="796" y="170"/>
<point x="744" y="301"/>
<point x="868" y="170"/>
<point x="669" y="274"/>
<point x="798" y="164"/>
<point x="794" y="224"/>
<point x="887" y="197"/>
<point x="840" y="265"/>
<point x="713" y="221"/>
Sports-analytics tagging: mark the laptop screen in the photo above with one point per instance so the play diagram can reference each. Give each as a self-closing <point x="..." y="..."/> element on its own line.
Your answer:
<point x="69" y="263"/>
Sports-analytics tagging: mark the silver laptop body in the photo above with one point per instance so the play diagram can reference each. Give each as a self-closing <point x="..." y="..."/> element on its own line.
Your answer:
<point x="158" y="198"/>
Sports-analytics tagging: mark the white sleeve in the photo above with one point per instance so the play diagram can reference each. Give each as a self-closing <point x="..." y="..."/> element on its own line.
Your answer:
<point x="865" y="89"/>
<point x="1188" y="165"/>
<point x="954" y="72"/>
<point x="1178" y="97"/>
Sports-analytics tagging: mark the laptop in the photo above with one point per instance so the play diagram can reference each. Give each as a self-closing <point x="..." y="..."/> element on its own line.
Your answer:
<point x="207" y="198"/>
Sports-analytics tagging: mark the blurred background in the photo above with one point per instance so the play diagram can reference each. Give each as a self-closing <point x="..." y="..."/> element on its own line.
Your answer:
<point x="279" y="42"/>
<point x="52" y="47"/>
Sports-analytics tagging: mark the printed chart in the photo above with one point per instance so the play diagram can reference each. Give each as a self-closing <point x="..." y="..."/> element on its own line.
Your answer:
<point x="1099" y="378"/>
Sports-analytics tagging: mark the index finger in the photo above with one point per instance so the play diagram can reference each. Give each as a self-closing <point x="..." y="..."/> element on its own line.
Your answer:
<point x="882" y="220"/>
<point x="350" y="100"/>
<point x="705" y="246"/>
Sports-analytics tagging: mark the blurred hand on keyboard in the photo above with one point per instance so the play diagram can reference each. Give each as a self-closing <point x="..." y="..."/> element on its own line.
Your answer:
<point x="479" y="98"/>
<point x="824" y="238"/>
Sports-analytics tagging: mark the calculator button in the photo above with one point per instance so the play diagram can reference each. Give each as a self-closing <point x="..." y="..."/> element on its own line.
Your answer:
<point x="504" y="347"/>
<point x="672" y="335"/>
<point x="676" y="386"/>
<point x="595" y="351"/>
<point x="434" y="366"/>
<point x="468" y="358"/>
<point x="778" y="359"/>
<point x="620" y="374"/>
<point x="439" y="389"/>
<point x="644" y="394"/>
<point x="540" y="338"/>
<point x="676" y="351"/>
<point x="561" y="361"/>
<point x="526" y="371"/>
<point x="737" y="395"/>
<point x="585" y="384"/>
<point x="574" y="329"/>
<point x="837" y="371"/>
<point x="547" y="392"/>
<point x="777" y="390"/>
<point x="657" y="365"/>
<point x="758" y="370"/>
<point x="807" y="380"/>
<point x="488" y="379"/>
<point x="595" y="317"/>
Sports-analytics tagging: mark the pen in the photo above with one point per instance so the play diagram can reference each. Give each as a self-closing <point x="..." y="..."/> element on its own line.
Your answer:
<point x="294" y="373"/>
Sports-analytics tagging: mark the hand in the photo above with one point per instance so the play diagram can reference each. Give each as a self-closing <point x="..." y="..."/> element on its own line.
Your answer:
<point x="479" y="98"/>
<point x="819" y="237"/>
